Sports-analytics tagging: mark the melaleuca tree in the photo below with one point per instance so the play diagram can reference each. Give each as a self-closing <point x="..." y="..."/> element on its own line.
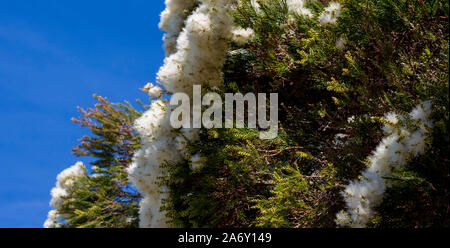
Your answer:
<point x="104" y="197"/>
<point x="345" y="71"/>
<point x="337" y="78"/>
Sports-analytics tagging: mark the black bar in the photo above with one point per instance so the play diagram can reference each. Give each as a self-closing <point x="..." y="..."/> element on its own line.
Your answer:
<point x="181" y="238"/>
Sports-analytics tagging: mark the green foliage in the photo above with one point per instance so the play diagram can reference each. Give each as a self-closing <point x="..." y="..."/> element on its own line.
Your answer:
<point x="106" y="198"/>
<point x="221" y="193"/>
<point x="395" y="55"/>
<point x="298" y="201"/>
<point x="332" y="100"/>
<point x="113" y="140"/>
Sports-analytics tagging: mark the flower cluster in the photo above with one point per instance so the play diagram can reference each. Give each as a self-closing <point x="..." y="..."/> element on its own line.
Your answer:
<point x="405" y="139"/>
<point x="330" y="14"/>
<point x="153" y="90"/>
<point x="201" y="49"/>
<point x="298" y="7"/>
<point x="172" y="21"/>
<point x="196" y="58"/>
<point x="242" y="36"/>
<point x="61" y="193"/>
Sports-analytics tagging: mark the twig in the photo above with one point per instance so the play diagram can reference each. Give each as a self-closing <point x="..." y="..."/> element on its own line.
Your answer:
<point x="279" y="151"/>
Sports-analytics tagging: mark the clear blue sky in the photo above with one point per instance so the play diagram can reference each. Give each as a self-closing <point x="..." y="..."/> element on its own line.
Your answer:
<point x="53" y="56"/>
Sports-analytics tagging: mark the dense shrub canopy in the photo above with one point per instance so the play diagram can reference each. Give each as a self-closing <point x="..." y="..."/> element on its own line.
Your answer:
<point x="351" y="76"/>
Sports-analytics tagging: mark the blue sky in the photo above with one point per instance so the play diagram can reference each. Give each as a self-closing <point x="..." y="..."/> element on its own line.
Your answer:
<point x="53" y="56"/>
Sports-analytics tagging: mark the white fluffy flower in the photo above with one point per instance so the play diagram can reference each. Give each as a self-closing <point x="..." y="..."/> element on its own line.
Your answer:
<point x="196" y="58"/>
<point x="172" y="19"/>
<point x="340" y="43"/>
<point x="255" y="5"/>
<point x="52" y="220"/>
<point x="298" y="7"/>
<point x="153" y="90"/>
<point x="393" y="119"/>
<point x="422" y="111"/>
<point x="363" y="195"/>
<point x="201" y="49"/>
<point x="242" y="36"/>
<point x="330" y="14"/>
<point x="153" y="123"/>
